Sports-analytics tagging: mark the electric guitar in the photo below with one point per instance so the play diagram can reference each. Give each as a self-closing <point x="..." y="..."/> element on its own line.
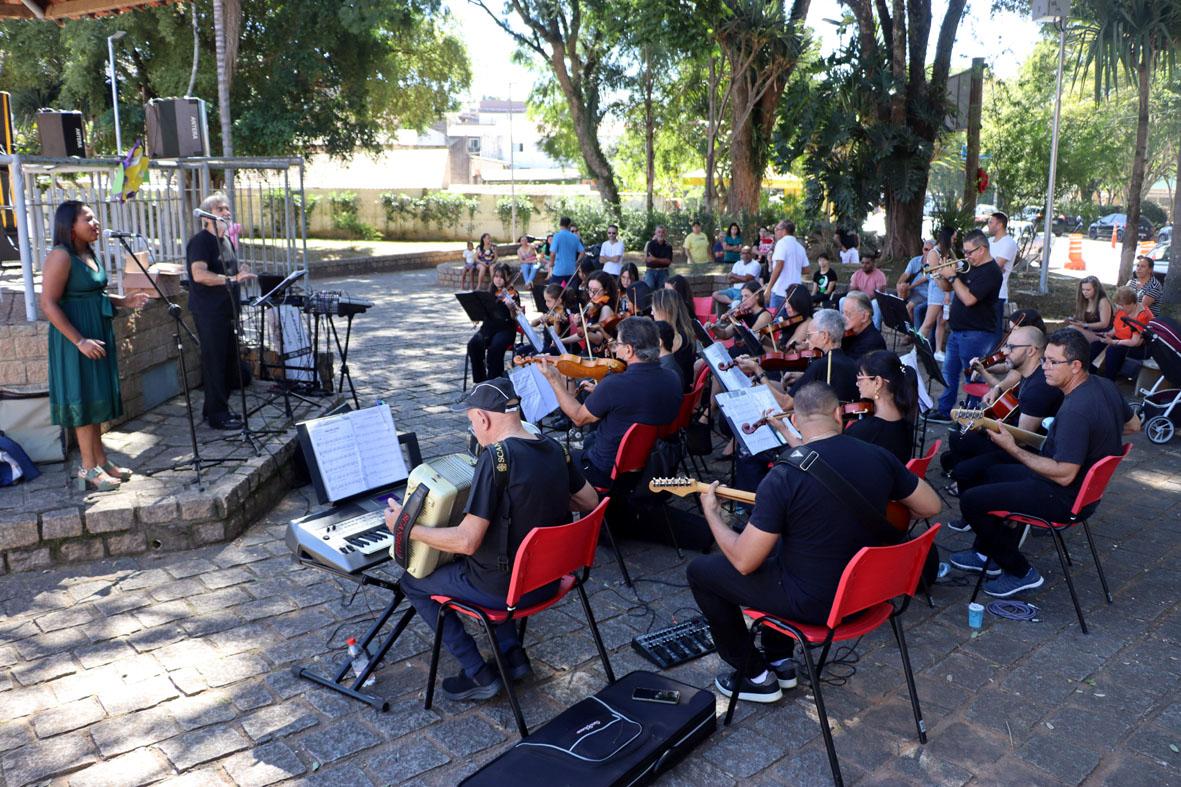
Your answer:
<point x="683" y="486"/>
<point x="969" y="420"/>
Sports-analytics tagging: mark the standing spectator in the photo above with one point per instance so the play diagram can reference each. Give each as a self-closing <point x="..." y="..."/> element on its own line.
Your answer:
<point x="848" y="243"/>
<point x="1148" y="290"/>
<point x="824" y="283"/>
<point x="1003" y="249"/>
<point x="696" y="246"/>
<point x="747" y="269"/>
<point x="485" y="259"/>
<point x="83" y="370"/>
<point x="766" y="246"/>
<point x="658" y="255"/>
<point x="973" y="316"/>
<point x="469" y="266"/>
<point x="566" y="250"/>
<point x="528" y="258"/>
<point x="911" y="285"/>
<point x="732" y="244"/>
<point x="611" y="251"/>
<point x="869" y="279"/>
<point x="789" y="264"/>
<point x="719" y="248"/>
<point x="935" y="323"/>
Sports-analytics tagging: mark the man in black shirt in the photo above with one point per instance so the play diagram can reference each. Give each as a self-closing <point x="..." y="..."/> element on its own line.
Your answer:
<point x="658" y="255"/>
<point x="645" y="393"/>
<point x="1088" y="427"/>
<point x="213" y="274"/>
<point x="541" y="489"/>
<point x="973" y="315"/>
<point x="790" y="556"/>
<point x="857" y="310"/>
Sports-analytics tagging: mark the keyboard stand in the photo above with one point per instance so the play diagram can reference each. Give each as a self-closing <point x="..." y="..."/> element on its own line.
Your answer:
<point x="353" y="689"/>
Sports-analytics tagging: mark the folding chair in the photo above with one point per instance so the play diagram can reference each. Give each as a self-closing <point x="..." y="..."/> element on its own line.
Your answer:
<point x="630" y="460"/>
<point x="676" y="429"/>
<point x="865" y="599"/>
<point x="562" y="552"/>
<point x="703" y="308"/>
<point x="918" y="465"/>
<point x="1085" y="505"/>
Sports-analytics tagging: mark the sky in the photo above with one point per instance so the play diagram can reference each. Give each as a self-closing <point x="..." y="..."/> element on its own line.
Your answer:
<point x="1004" y="40"/>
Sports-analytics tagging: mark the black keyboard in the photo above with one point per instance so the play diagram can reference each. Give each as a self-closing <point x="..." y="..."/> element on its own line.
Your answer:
<point x="676" y="644"/>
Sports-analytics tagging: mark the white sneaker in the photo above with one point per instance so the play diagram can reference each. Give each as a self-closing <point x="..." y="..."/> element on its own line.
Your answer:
<point x="941" y="357"/>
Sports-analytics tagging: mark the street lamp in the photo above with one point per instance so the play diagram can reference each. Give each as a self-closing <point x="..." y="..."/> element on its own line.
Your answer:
<point x="111" y="39"/>
<point x="1055" y="11"/>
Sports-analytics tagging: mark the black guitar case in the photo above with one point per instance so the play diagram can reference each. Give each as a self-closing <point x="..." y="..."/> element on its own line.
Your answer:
<point x="608" y="739"/>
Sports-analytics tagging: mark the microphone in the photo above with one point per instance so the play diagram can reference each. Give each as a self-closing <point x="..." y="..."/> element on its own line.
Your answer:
<point x="119" y="234"/>
<point x="204" y="214"/>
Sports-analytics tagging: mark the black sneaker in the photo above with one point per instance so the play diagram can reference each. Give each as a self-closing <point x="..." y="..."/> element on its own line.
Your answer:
<point x="767" y="691"/>
<point x="958" y="525"/>
<point x="484" y="686"/>
<point x="786" y="674"/>
<point x="517" y="663"/>
<point x="226" y="422"/>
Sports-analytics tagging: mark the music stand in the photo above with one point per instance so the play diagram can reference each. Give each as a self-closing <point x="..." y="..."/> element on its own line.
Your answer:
<point x="922" y="349"/>
<point x="749" y="340"/>
<point x="894" y="314"/>
<point x="480" y="306"/>
<point x="702" y="334"/>
<point x="268" y="300"/>
<point x="539" y="298"/>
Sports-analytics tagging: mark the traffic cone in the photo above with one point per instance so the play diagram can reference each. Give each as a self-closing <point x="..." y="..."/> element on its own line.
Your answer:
<point x="1075" y="263"/>
<point x="1113" y="237"/>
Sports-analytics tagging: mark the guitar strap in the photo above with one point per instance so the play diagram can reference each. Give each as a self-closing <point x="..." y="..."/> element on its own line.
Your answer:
<point x="810" y="462"/>
<point x="504" y="514"/>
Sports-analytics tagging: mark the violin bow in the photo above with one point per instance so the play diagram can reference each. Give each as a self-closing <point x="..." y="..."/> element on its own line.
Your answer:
<point x="590" y="350"/>
<point x="828" y="373"/>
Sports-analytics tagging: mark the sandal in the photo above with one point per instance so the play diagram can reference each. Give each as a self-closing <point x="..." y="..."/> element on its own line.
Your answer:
<point x="94" y="480"/>
<point x="114" y="471"/>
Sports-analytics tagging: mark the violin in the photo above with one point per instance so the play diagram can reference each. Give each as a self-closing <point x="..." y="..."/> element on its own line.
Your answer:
<point x="753" y="427"/>
<point x="789" y="361"/>
<point x="782" y="322"/>
<point x="509" y="296"/>
<point x="575" y="366"/>
<point x="991" y="360"/>
<point x="855" y="411"/>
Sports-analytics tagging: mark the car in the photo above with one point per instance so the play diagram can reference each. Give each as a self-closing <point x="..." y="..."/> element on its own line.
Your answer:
<point x="1161" y="255"/>
<point x="1102" y="227"/>
<point x="1165" y="234"/>
<point x="983" y="211"/>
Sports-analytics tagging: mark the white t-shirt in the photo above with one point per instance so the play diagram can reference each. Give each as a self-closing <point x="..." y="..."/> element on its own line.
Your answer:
<point x="795" y="259"/>
<point x="851" y="256"/>
<point x="612" y="249"/>
<point x="752" y="268"/>
<point x="1006" y="247"/>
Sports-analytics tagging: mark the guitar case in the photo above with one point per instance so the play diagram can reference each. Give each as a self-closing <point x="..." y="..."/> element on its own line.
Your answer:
<point x="607" y="739"/>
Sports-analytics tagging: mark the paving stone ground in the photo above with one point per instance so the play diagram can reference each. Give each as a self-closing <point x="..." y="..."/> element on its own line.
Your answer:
<point x="176" y="667"/>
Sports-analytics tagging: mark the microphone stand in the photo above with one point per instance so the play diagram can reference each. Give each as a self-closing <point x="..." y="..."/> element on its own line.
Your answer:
<point x="174" y="311"/>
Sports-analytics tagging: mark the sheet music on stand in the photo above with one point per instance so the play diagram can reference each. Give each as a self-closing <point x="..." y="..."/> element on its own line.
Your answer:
<point x="746" y="407"/>
<point x="732" y="379"/>
<point x="559" y="346"/>
<point x="356" y="452"/>
<point x="537" y="395"/>
<point x="530" y="332"/>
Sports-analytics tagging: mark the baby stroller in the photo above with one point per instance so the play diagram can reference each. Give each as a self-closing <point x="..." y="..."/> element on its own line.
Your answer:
<point x="1159" y="409"/>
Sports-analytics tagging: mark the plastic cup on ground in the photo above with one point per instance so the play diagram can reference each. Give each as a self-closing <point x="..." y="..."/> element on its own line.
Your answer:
<point x="975" y="615"/>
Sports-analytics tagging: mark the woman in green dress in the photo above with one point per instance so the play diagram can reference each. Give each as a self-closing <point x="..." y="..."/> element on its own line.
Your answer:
<point x="83" y="372"/>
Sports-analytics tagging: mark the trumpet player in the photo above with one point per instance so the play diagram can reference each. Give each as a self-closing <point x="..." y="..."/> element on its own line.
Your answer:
<point x="972" y="321"/>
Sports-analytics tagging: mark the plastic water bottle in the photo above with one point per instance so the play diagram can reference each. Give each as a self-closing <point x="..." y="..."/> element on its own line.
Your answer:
<point x="360" y="660"/>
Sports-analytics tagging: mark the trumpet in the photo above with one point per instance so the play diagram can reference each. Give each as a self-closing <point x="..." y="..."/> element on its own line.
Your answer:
<point x="961" y="266"/>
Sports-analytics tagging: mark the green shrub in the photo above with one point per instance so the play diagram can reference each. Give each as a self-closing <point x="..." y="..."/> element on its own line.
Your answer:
<point x="443" y="208"/>
<point x="504" y="210"/>
<point x="398" y="207"/>
<point x="346" y="219"/>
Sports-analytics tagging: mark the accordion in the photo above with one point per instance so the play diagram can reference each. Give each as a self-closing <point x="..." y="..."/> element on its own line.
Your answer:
<point x="436" y="492"/>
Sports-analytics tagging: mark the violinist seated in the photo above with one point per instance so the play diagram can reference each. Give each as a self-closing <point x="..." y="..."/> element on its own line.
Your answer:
<point x="971" y="454"/>
<point x="541" y="489"/>
<point x="892" y="389"/>
<point x="600" y="311"/>
<point x="797" y="312"/>
<point x="750" y="312"/>
<point x="668" y="359"/>
<point x="861" y="337"/>
<point x="488" y="345"/>
<point x="789" y="558"/>
<point x="557" y="315"/>
<point x="745" y="270"/>
<point x="644" y="393"/>
<point x="1088" y="427"/>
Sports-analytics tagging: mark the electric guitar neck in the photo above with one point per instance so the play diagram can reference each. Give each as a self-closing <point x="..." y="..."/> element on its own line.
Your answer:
<point x="684" y="486"/>
<point x="975" y="419"/>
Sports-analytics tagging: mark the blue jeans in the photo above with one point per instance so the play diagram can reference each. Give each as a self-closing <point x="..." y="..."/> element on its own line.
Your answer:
<point x="528" y="270"/>
<point x="777" y="302"/>
<point x="655" y="277"/>
<point x="452" y="580"/>
<point x="962" y="347"/>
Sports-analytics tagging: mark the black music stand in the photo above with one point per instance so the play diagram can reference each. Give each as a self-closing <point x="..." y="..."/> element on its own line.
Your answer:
<point x="480" y="306"/>
<point x="934" y="372"/>
<point x="702" y="334"/>
<point x="894" y="314"/>
<point x="278" y="295"/>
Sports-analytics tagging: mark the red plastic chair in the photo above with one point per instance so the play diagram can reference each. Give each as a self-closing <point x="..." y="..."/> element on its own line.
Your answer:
<point x="865" y="599"/>
<point x="630" y="460"/>
<point x="919" y="464"/>
<point x="562" y="552"/>
<point x="1085" y="504"/>
<point x="703" y="308"/>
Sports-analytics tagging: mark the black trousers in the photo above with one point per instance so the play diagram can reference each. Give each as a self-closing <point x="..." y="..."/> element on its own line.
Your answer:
<point x="219" y="367"/>
<point x="721" y="591"/>
<point x="486" y="350"/>
<point x="1013" y="488"/>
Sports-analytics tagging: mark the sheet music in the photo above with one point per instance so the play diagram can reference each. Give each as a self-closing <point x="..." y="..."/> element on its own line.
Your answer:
<point x="537" y="396"/>
<point x="732" y="379"/>
<point x="529" y="332"/>
<point x="747" y="406"/>
<point x="356" y="451"/>
<point x="297" y="346"/>
<point x="553" y="334"/>
<point x="925" y="402"/>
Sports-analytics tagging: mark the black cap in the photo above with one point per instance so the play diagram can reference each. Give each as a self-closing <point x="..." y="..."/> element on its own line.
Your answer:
<point x="495" y="396"/>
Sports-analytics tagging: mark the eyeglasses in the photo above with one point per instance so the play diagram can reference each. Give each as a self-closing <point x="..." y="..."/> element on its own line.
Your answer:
<point x="973" y="250"/>
<point x="861" y="377"/>
<point x="1010" y="347"/>
<point x="1052" y="362"/>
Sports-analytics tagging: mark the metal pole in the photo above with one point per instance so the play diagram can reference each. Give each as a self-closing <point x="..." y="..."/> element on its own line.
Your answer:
<point x="115" y="90"/>
<point x="512" y="167"/>
<point x="22" y="236"/>
<point x="1044" y="274"/>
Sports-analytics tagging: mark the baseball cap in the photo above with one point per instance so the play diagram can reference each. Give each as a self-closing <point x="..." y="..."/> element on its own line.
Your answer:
<point x="495" y="396"/>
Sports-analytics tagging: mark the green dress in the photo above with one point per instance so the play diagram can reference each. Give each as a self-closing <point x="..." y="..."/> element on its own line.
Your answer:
<point x="83" y="391"/>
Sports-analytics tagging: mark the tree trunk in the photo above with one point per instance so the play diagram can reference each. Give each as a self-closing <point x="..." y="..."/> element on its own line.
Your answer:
<point x="585" y="129"/>
<point x="714" y="123"/>
<point x="1139" y="163"/>
<point x="649" y="137"/>
<point x="223" y="82"/>
<point x="749" y="147"/>
<point x="904" y="224"/>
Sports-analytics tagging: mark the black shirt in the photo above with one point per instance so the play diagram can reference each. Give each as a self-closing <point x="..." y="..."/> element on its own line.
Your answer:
<point x="820" y="535"/>
<point x="984" y="282"/>
<point x="645" y="393"/>
<point x="868" y="341"/>
<point x="894" y="436"/>
<point x="1089" y="426"/>
<point x="822" y="281"/>
<point x="1038" y="398"/>
<point x="685" y="356"/>
<point x="657" y="249"/>
<point x="540" y="483"/>
<point x="843" y="378"/>
<point x="203" y="299"/>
